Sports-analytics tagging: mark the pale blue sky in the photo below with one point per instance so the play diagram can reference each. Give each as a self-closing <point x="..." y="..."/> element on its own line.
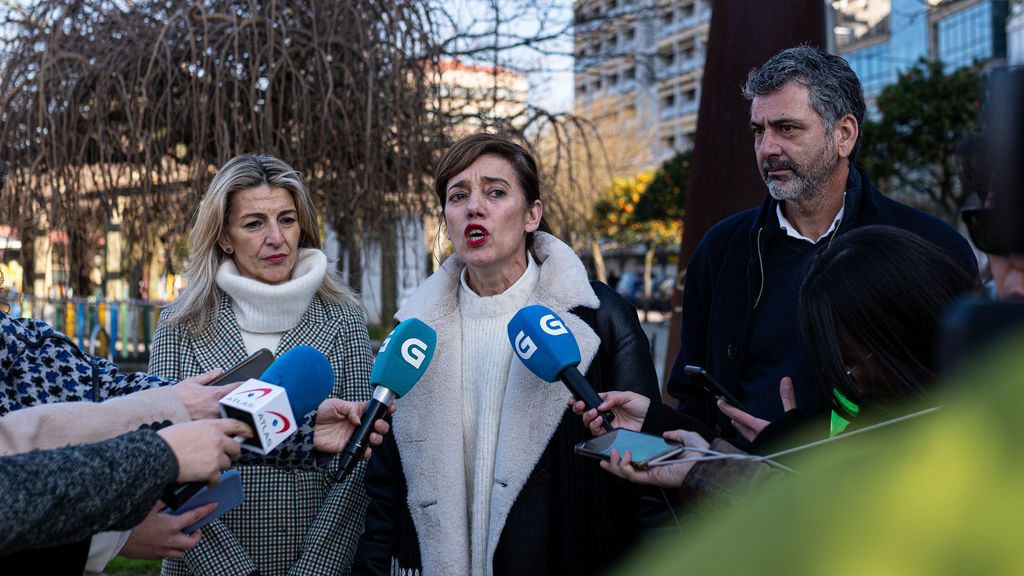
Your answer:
<point x="547" y="64"/>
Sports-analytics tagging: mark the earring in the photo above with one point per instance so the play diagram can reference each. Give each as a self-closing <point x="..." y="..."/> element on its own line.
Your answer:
<point x="228" y="250"/>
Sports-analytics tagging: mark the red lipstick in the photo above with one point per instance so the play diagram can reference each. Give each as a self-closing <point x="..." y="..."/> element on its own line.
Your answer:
<point x="476" y="235"/>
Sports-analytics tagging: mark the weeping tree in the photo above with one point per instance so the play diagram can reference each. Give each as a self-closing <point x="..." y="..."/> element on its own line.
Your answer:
<point x="124" y="111"/>
<point x="116" y="115"/>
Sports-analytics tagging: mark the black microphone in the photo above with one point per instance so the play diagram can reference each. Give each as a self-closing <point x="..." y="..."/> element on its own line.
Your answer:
<point x="403" y="358"/>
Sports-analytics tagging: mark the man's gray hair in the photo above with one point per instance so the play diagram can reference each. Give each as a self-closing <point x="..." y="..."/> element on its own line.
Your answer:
<point x="835" y="90"/>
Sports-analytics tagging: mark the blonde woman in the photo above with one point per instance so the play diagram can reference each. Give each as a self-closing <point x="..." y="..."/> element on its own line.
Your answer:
<point x="258" y="279"/>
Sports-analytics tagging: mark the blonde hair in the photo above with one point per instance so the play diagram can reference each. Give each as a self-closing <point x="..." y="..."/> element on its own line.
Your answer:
<point x="197" y="303"/>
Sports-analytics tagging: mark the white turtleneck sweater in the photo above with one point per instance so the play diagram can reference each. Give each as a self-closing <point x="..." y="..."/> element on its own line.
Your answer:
<point x="266" y="311"/>
<point x="486" y="360"/>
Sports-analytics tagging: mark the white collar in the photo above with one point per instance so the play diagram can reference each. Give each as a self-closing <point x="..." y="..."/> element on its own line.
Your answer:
<point x="266" y="308"/>
<point x="561" y="285"/>
<point x="792" y="232"/>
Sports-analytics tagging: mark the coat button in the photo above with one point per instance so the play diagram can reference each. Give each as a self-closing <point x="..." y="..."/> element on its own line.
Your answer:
<point x="542" y="476"/>
<point x="731" y="351"/>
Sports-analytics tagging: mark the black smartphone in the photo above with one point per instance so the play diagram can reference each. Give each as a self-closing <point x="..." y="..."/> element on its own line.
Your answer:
<point x="647" y="450"/>
<point x="712" y="386"/>
<point x="252" y="367"/>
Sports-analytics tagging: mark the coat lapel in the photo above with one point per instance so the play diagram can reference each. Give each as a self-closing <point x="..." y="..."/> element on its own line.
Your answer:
<point x="316" y="328"/>
<point x="428" y="432"/>
<point x="428" y="425"/>
<point x="222" y="347"/>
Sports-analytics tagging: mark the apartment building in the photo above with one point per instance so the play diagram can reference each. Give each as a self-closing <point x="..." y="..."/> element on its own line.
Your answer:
<point x="639" y="63"/>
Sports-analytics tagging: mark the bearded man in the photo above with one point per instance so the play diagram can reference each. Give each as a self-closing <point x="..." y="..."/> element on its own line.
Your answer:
<point x="743" y="282"/>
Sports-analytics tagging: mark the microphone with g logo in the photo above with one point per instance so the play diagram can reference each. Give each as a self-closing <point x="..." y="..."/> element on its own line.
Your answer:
<point x="547" y="347"/>
<point x="401" y="361"/>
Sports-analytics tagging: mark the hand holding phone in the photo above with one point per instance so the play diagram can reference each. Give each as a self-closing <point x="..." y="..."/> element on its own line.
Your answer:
<point x="664" y="473"/>
<point x="252" y="367"/>
<point x="647" y="450"/>
<point x="712" y="386"/>
<point x="227" y="494"/>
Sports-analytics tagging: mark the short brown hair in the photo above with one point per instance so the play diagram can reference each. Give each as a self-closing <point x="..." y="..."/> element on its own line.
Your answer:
<point x="466" y="151"/>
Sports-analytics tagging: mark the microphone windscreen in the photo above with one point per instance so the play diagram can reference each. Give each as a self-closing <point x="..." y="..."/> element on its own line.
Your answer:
<point x="543" y="342"/>
<point x="404" y="356"/>
<point x="305" y="374"/>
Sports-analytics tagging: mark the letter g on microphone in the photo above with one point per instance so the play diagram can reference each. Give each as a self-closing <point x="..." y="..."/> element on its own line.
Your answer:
<point x="524" y="346"/>
<point x="553" y="325"/>
<point x="414" y="351"/>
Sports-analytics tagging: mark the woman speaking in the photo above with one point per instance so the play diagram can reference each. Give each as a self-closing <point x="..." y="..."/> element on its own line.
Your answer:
<point x="479" y="476"/>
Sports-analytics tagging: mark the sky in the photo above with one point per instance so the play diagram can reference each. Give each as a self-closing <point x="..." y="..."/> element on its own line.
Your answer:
<point x="547" y="64"/>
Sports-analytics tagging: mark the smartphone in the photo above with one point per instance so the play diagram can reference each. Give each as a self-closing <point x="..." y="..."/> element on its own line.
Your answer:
<point x="647" y="449"/>
<point x="252" y="367"/>
<point x="712" y="386"/>
<point x="227" y="494"/>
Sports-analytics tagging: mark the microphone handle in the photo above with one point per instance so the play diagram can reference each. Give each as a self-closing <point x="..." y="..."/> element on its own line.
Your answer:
<point x="582" y="390"/>
<point x="375" y="410"/>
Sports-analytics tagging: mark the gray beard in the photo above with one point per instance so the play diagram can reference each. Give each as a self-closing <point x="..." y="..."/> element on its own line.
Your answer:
<point x="806" y="186"/>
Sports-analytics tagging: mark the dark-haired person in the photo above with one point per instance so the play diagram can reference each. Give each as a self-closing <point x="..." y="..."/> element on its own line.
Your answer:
<point x="807" y="109"/>
<point x="870" y="309"/>
<point x="479" y="476"/>
<point x="1006" y="262"/>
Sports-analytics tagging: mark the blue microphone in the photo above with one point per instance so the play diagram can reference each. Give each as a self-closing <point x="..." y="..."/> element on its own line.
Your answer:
<point x="403" y="358"/>
<point x="305" y="374"/>
<point x="289" y="389"/>
<point x="547" y="347"/>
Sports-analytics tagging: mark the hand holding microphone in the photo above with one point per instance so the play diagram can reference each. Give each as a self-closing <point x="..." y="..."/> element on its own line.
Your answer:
<point x="292" y="387"/>
<point x="295" y="384"/>
<point x="337" y="419"/>
<point x="403" y="358"/>
<point x="204" y="448"/>
<point x="549" y="350"/>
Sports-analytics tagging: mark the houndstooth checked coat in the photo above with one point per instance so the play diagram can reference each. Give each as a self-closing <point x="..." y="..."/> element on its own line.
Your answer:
<point x="292" y="522"/>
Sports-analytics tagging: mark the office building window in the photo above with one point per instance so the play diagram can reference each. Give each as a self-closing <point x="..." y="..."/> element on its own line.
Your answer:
<point x="970" y="35"/>
<point x="872" y="66"/>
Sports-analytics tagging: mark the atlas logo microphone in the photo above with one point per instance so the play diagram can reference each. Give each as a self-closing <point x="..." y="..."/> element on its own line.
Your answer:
<point x="294" y="385"/>
<point x="549" y="350"/>
<point x="403" y="358"/>
<point x="291" y="387"/>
